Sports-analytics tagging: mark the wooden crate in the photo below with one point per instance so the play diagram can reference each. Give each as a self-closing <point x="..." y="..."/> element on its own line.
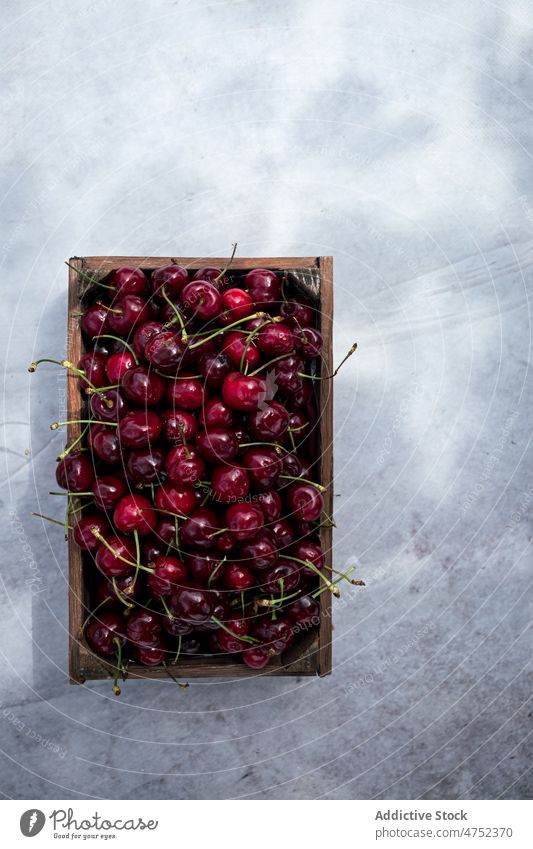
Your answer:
<point x="311" y="653"/>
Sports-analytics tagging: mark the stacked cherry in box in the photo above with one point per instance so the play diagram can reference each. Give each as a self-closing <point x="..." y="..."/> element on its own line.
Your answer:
<point x="199" y="483"/>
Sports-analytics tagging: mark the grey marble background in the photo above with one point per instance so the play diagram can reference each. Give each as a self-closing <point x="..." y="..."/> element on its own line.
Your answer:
<point x="398" y="138"/>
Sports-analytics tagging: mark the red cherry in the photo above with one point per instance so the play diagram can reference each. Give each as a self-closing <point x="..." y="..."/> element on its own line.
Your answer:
<point x="93" y="366"/>
<point x="238" y="578"/>
<point x="264" y="286"/>
<point x="75" y="472"/>
<point x="215" y="413"/>
<point x="198" y="529"/>
<point x="134" y="513"/>
<point x="144" y="627"/>
<point x="178" y="425"/>
<point x="260" y="552"/>
<point x="143" y="386"/>
<point x="283" y="531"/>
<point x="283" y="578"/>
<point x="214" y="368"/>
<point x="230" y="642"/>
<point x="275" y="340"/>
<point x="109" y="406"/>
<point x="270" y="504"/>
<point x="205" y="568"/>
<point x="83" y="529"/>
<point x="192" y="604"/>
<point x="210" y="273"/>
<point x="305" y="550"/>
<point x="287" y="374"/>
<point x="242" y="392"/>
<point x="144" y="465"/>
<point x="201" y="298"/>
<point x="217" y="445"/>
<point x="275" y="634"/>
<point x="169" y="573"/>
<point x="180" y="500"/>
<point x="269" y="423"/>
<point x="129" y="281"/>
<point x="244" y="520"/>
<point x="150" y="655"/>
<point x="257" y="657"/>
<point x="186" y="393"/>
<point x="111" y="563"/>
<point x="108" y="490"/>
<point x="235" y="345"/>
<point x="297" y="312"/>
<point x="304" y="611"/>
<point x="94" y="321"/>
<point x="139" y="428"/>
<point x="103" y="441"/>
<point x="129" y="312"/>
<point x="117" y="365"/>
<point x="166" y="352"/>
<point x="305" y="502"/>
<point x="236" y="304"/>
<point x="229" y="483"/>
<point x="264" y="467"/>
<point x="184" y="466"/>
<point x="309" y="342"/>
<point x="143" y="333"/>
<point x="103" y="630"/>
<point x="172" y="277"/>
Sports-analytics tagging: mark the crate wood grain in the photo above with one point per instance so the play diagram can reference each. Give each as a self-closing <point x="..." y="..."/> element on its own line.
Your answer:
<point x="311" y="653"/>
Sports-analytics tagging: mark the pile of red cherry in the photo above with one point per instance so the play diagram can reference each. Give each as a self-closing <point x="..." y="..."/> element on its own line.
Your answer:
<point x="191" y="487"/>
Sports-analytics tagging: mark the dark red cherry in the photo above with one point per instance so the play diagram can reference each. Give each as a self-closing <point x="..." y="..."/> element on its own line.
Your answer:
<point x="75" y="472"/>
<point x="210" y="273"/>
<point x="309" y="342"/>
<point x="165" y="533"/>
<point x="237" y="349"/>
<point x="215" y="413"/>
<point x="150" y="655"/>
<point x="111" y="563"/>
<point x="117" y="365"/>
<point x="273" y="633"/>
<point x="198" y="529"/>
<point x="169" y="573"/>
<point x="185" y="393"/>
<point x="178" y="425"/>
<point x="129" y="312"/>
<point x="109" y="406"/>
<point x="93" y="366"/>
<point x="299" y="426"/>
<point x="143" y="333"/>
<point x="176" y="627"/>
<point x="153" y="547"/>
<point x="229" y="483"/>
<point x="205" y="568"/>
<point x="129" y="281"/>
<point x="172" y="277"/>
<point x="283" y="531"/>
<point x="270" y="504"/>
<point x="103" y="441"/>
<point x="108" y="490"/>
<point x="143" y="386"/>
<point x="257" y="657"/>
<point x="166" y="352"/>
<point x="305" y="550"/>
<point x="292" y="465"/>
<point x="144" y="627"/>
<point x="304" y="611"/>
<point x="236" y="304"/>
<point x="297" y="312"/>
<point x="230" y="642"/>
<point x="264" y="286"/>
<point x="242" y="392"/>
<point x="282" y="579"/>
<point x="304" y="501"/>
<point x="139" y="428"/>
<point x="184" y="466"/>
<point x="270" y="423"/>
<point x="217" y="445"/>
<point x="202" y="299"/>
<point x="192" y="604"/>
<point x="144" y="465"/>
<point x="301" y="398"/>
<point x="214" y="368"/>
<point x="264" y="467"/>
<point x="191" y="645"/>
<point x="244" y="520"/>
<point x="260" y="552"/>
<point x="83" y="526"/>
<point x="120" y="590"/>
<point x="287" y="375"/>
<point x="238" y="578"/>
<point x="175" y="499"/>
<point x="104" y="630"/>
<point x="275" y="340"/>
<point x="134" y="513"/>
<point x="94" y="320"/>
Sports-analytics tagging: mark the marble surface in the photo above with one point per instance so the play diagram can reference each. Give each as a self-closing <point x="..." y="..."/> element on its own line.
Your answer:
<point x="398" y="139"/>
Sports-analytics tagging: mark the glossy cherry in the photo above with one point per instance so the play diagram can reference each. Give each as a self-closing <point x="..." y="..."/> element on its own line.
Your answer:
<point x="108" y="490"/>
<point x="214" y="368"/>
<point x="192" y="604"/>
<point x="150" y="655"/>
<point x="202" y="299"/>
<point x="228" y="640"/>
<point x="103" y="441"/>
<point x="275" y="340"/>
<point x="143" y="333"/>
<point x="297" y="312"/>
<point x="94" y="320"/>
<point x="244" y="520"/>
<point x="215" y="413"/>
<point x="304" y="501"/>
<point x="273" y="633"/>
<point x="93" y="366"/>
<point x="184" y="466"/>
<point x="257" y="657"/>
<point x="288" y="373"/>
<point x="104" y="630"/>
<point x="236" y="304"/>
<point x="128" y="281"/>
<point x="283" y="531"/>
<point x="260" y="552"/>
<point x="229" y="483"/>
<point x="127" y="313"/>
<point x="108" y="406"/>
<point x="264" y="286"/>
<point x="83" y="526"/>
<point x="238" y="577"/>
<point x="111" y="563"/>
<point x="134" y="513"/>
<point x="180" y="500"/>
<point x="217" y="445"/>
<point x="303" y="611"/>
<point x="75" y="472"/>
<point x="282" y="579"/>
<point x="205" y="568"/>
<point x="270" y="503"/>
<point x="197" y="531"/>
<point x="144" y="627"/>
<point x="166" y="351"/>
<point x="139" y="428"/>
<point x="309" y="342"/>
<point x="169" y="573"/>
<point x="185" y="393"/>
<point x="171" y="278"/>
<point x="145" y="465"/>
<point x="142" y="386"/>
<point x="238" y="349"/>
<point x="269" y="423"/>
<point x="242" y="392"/>
<point x="178" y="425"/>
<point x="117" y="365"/>
<point x="264" y="467"/>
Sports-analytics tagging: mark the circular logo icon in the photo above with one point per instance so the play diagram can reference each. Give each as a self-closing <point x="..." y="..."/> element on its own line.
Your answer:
<point x="32" y="822"/>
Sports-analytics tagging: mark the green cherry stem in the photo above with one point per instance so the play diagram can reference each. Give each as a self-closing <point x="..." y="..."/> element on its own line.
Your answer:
<point x="118" y="668"/>
<point x="122" y="342"/>
<point x="277" y="448"/>
<point x="110" y="548"/>
<point x="166" y="608"/>
<point x="176" y="658"/>
<point x="329" y="584"/>
<point x="55" y="425"/>
<point x="222" y="273"/>
<point x="352" y="350"/>
<point x="177" y="317"/>
<point x="49" y="519"/>
<point x="253" y="333"/>
<point x="268" y="364"/>
<point x="245" y="639"/>
<point x="121" y="597"/>
<point x="304" y="480"/>
<point x="89" y="277"/>
<point x="220" y="330"/>
<point x="64" y="364"/>
<point x="72" y="445"/>
<point x="214" y="572"/>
